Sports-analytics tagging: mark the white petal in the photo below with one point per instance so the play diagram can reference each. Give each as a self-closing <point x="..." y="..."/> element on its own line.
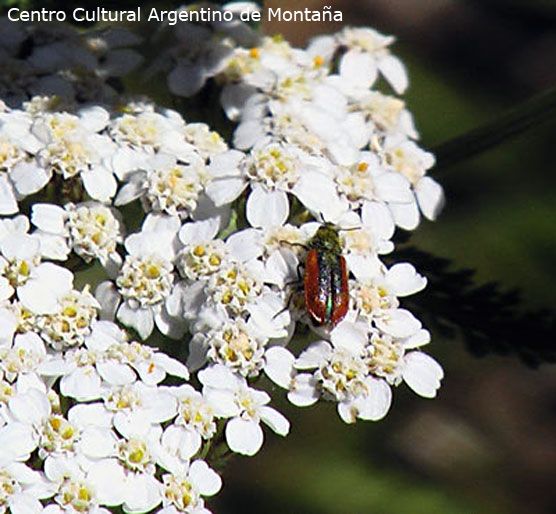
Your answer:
<point x="191" y="233"/>
<point x="97" y="442"/>
<point x="376" y="403"/>
<point x="225" y="165"/>
<point x="403" y="280"/>
<point x="233" y="99"/>
<point x="109" y="299"/>
<point x="350" y="336"/>
<point x="359" y="68"/>
<point x="398" y="323"/>
<point x="267" y="208"/>
<point x="140" y="319"/>
<point x="8" y="203"/>
<point x="28" y="178"/>
<point x="47" y="282"/>
<point x="6" y="292"/>
<point x="394" y="72"/>
<point x="244" y="436"/>
<point x="172" y="366"/>
<point x="304" y="390"/>
<point x="248" y="134"/>
<point x="281" y="267"/>
<point x="430" y="196"/>
<point x="178" y="440"/>
<point x="94" y="118"/>
<point x="131" y="190"/>
<point x="186" y="79"/>
<point x="30" y="407"/>
<point x="364" y="266"/>
<point x="378" y="218"/>
<point x="18" y="439"/>
<point x="347" y="411"/>
<point x="52" y="246"/>
<point x="318" y="193"/>
<point x="143" y="493"/>
<point x="223" y="402"/>
<point x="172" y="326"/>
<point x="99" y="183"/>
<point x="198" y="348"/>
<point x="393" y="187"/>
<point x="225" y="190"/>
<point x="314" y="355"/>
<point x="406" y="215"/>
<point x="116" y="373"/>
<point x="207" y="480"/>
<point x="245" y="245"/>
<point x="269" y="317"/>
<point x="279" y="366"/>
<point x="8" y="325"/>
<point x="83" y="384"/>
<point x="22" y="503"/>
<point x="96" y="414"/>
<point x="109" y="481"/>
<point x="421" y="338"/>
<point x="422" y="374"/>
<point x="218" y="376"/>
<point x="19" y="246"/>
<point x="275" y="420"/>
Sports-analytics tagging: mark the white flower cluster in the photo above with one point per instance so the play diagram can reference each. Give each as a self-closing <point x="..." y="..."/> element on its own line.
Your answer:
<point x="91" y="419"/>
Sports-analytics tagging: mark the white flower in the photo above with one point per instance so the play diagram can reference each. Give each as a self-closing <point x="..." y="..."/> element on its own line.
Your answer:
<point x="145" y="280"/>
<point x="246" y="407"/>
<point x="72" y="146"/>
<point x="389" y="358"/>
<point x="107" y="360"/>
<point x="376" y="292"/>
<point x="72" y="323"/>
<point x="342" y="376"/>
<point x="182" y="491"/>
<point x="384" y="114"/>
<point x="21" y="487"/>
<point x="135" y="407"/>
<point x="229" y="279"/>
<point x="164" y="185"/>
<point x="273" y="171"/>
<point x="19" y="254"/>
<point x="84" y="486"/>
<point x="91" y="229"/>
<point x="194" y="423"/>
<point x="62" y="315"/>
<point x="52" y="432"/>
<point x="140" y="135"/>
<point x="16" y="146"/>
<point x="367" y="55"/>
<point x="405" y="157"/>
<point x="24" y="356"/>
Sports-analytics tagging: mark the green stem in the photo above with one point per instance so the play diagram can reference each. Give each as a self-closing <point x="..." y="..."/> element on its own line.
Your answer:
<point x="513" y="122"/>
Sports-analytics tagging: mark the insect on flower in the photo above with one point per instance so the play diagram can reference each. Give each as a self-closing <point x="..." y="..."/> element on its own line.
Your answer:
<point x="326" y="279"/>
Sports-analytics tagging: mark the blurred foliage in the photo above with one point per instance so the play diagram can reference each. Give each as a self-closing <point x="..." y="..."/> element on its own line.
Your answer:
<point x="488" y="318"/>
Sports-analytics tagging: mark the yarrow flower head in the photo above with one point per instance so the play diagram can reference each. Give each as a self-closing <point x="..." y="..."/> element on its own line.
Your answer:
<point x="217" y="247"/>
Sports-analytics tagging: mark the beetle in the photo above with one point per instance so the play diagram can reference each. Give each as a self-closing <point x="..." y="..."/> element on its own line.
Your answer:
<point x="325" y="278"/>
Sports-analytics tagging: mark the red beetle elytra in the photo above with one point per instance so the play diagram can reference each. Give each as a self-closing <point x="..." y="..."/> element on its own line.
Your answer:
<point x="326" y="279"/>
